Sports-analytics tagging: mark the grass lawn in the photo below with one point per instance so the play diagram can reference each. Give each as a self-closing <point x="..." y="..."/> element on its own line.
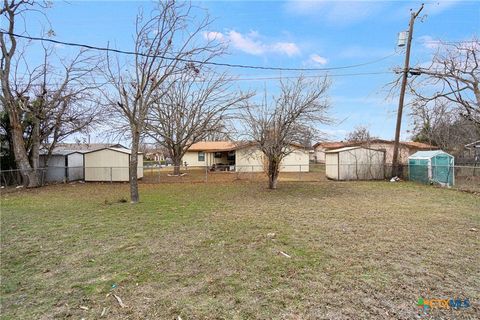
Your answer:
<point x="358" y="250"/>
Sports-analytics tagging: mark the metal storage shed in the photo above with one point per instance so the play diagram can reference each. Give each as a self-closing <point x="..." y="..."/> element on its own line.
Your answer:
<point x="63" y="166"/>
<point x="110" y="164"/>
<point x="355" y="163"/>
<point x="432" y="166"/>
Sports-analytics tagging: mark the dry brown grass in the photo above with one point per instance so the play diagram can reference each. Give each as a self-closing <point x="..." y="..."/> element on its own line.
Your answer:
<point x="359" y="250"/>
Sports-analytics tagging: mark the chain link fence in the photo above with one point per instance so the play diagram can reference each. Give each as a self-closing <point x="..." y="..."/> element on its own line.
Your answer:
<point x="464" y="177"/>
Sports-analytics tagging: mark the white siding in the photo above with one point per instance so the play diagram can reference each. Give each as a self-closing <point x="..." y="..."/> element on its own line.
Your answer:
<point x="109" y="165"/>
<point x="331" y="165"/>
<point x="191" y="158"/>
<point x="75" y="166"/>
<point x="253" y="160"/>
<point x="55" y="169"/>
<point x="320" y="154"/>
<point x="296" y="161"/>
<point x="355" y="164"/>
<point x="249" y="160"/>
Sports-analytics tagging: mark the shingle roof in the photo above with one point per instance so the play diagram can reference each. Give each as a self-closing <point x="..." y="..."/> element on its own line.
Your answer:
<point x="350" y="148"/>
<point x="341" y="144"/>
<point x="223" y="146"/>
<point x="215" y="146"/>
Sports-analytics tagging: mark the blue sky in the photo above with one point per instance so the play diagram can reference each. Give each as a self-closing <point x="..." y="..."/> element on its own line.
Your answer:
<point x="300" y="34"/>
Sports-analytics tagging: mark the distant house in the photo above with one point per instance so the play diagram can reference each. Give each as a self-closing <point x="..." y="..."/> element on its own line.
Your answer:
<point x="473" y="151"/>
<point x="241" y="157"/>
<point x="89" y="162"/>
<point x="406" y="148"/>
<point x="320" y="148"/>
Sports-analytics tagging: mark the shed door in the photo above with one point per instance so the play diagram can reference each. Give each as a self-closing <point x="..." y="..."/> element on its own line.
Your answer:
<point x="441" y="169"/>
<point x="418" y="170"/>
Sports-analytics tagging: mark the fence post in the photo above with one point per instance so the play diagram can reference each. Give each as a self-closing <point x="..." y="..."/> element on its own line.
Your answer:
<point x="206" y="174"/>
<point x="111" y="175"/>
<point x="300" y="173"/>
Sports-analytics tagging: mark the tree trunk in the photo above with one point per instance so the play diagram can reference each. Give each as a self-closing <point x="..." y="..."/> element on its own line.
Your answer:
<point x="273" y="172"/>
<point x="29" y="175"/>
<point x="177" y="163"/>
<point x="35" y="151"/>
<point x="133" y="164"/>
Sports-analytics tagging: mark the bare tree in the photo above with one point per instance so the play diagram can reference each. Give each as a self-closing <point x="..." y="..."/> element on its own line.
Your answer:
<point x="453" y="76"/>
<point x="276" y="126"/>
<point x="191" y="110"/>
<point x="360" y="134"/>
<point x="8" y="43"/>
<point x="441" y="124"/>
<point x="44" y="104"/>
<point x="165" y="45"/>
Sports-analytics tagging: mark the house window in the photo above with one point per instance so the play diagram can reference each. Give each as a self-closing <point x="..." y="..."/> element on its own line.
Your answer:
<point x="201" y="156"/>
<point x="218" y="154"/>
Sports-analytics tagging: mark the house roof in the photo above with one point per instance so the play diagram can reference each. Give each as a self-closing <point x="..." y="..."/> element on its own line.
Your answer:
<point x="341" y="144"/>
<point x="223" y="146"/>
<point x="474" y="144"/>
<point x="213" y="146"/>
<point x="350" y="148"/>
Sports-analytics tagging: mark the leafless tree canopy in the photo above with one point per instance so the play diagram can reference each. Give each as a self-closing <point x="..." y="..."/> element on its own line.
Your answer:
<point x="287" y="120"/>
<point x="453" y="76"/>
<point x="190" y="110"/>
<point x="360" y="134"/>
<point x="165" y="41"/>
<point x="44" y="104"/>
<point x="441" y="124"/>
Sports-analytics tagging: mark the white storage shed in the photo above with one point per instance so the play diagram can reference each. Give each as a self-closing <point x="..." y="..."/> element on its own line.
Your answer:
<point x="110" y="164"/>
<point x="355" y="163"/>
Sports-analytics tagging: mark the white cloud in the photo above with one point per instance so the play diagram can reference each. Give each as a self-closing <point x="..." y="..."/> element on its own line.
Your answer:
<point x="252" y="43"/>
<point x="246" y="43"/>
<point x="428" y="42"/>
<point x="288" y="48"/>
<point x="213" y="35"/>
<point x="318" y="59"/>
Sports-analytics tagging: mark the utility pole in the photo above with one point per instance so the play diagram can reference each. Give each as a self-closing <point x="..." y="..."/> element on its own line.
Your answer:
<point x="395" y="166"/>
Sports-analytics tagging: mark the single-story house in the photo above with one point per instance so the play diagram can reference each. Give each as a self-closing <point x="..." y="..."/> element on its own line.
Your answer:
<point x="406" y="148"/>
<point x="241" y="157"/>
<point x="89" y="162"/>
<point x="473" y="151"/>
<point x="355" y="163"/>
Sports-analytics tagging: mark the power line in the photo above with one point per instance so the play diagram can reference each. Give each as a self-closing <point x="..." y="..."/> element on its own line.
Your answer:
<point x="251" y="79"/>
<point x="220" y="64"/>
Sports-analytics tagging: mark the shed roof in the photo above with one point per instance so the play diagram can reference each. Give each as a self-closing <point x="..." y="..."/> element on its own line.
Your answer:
<point x="64" y="149"/>
<point x="116" y="149"/>
<point x="427" y="154"/>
